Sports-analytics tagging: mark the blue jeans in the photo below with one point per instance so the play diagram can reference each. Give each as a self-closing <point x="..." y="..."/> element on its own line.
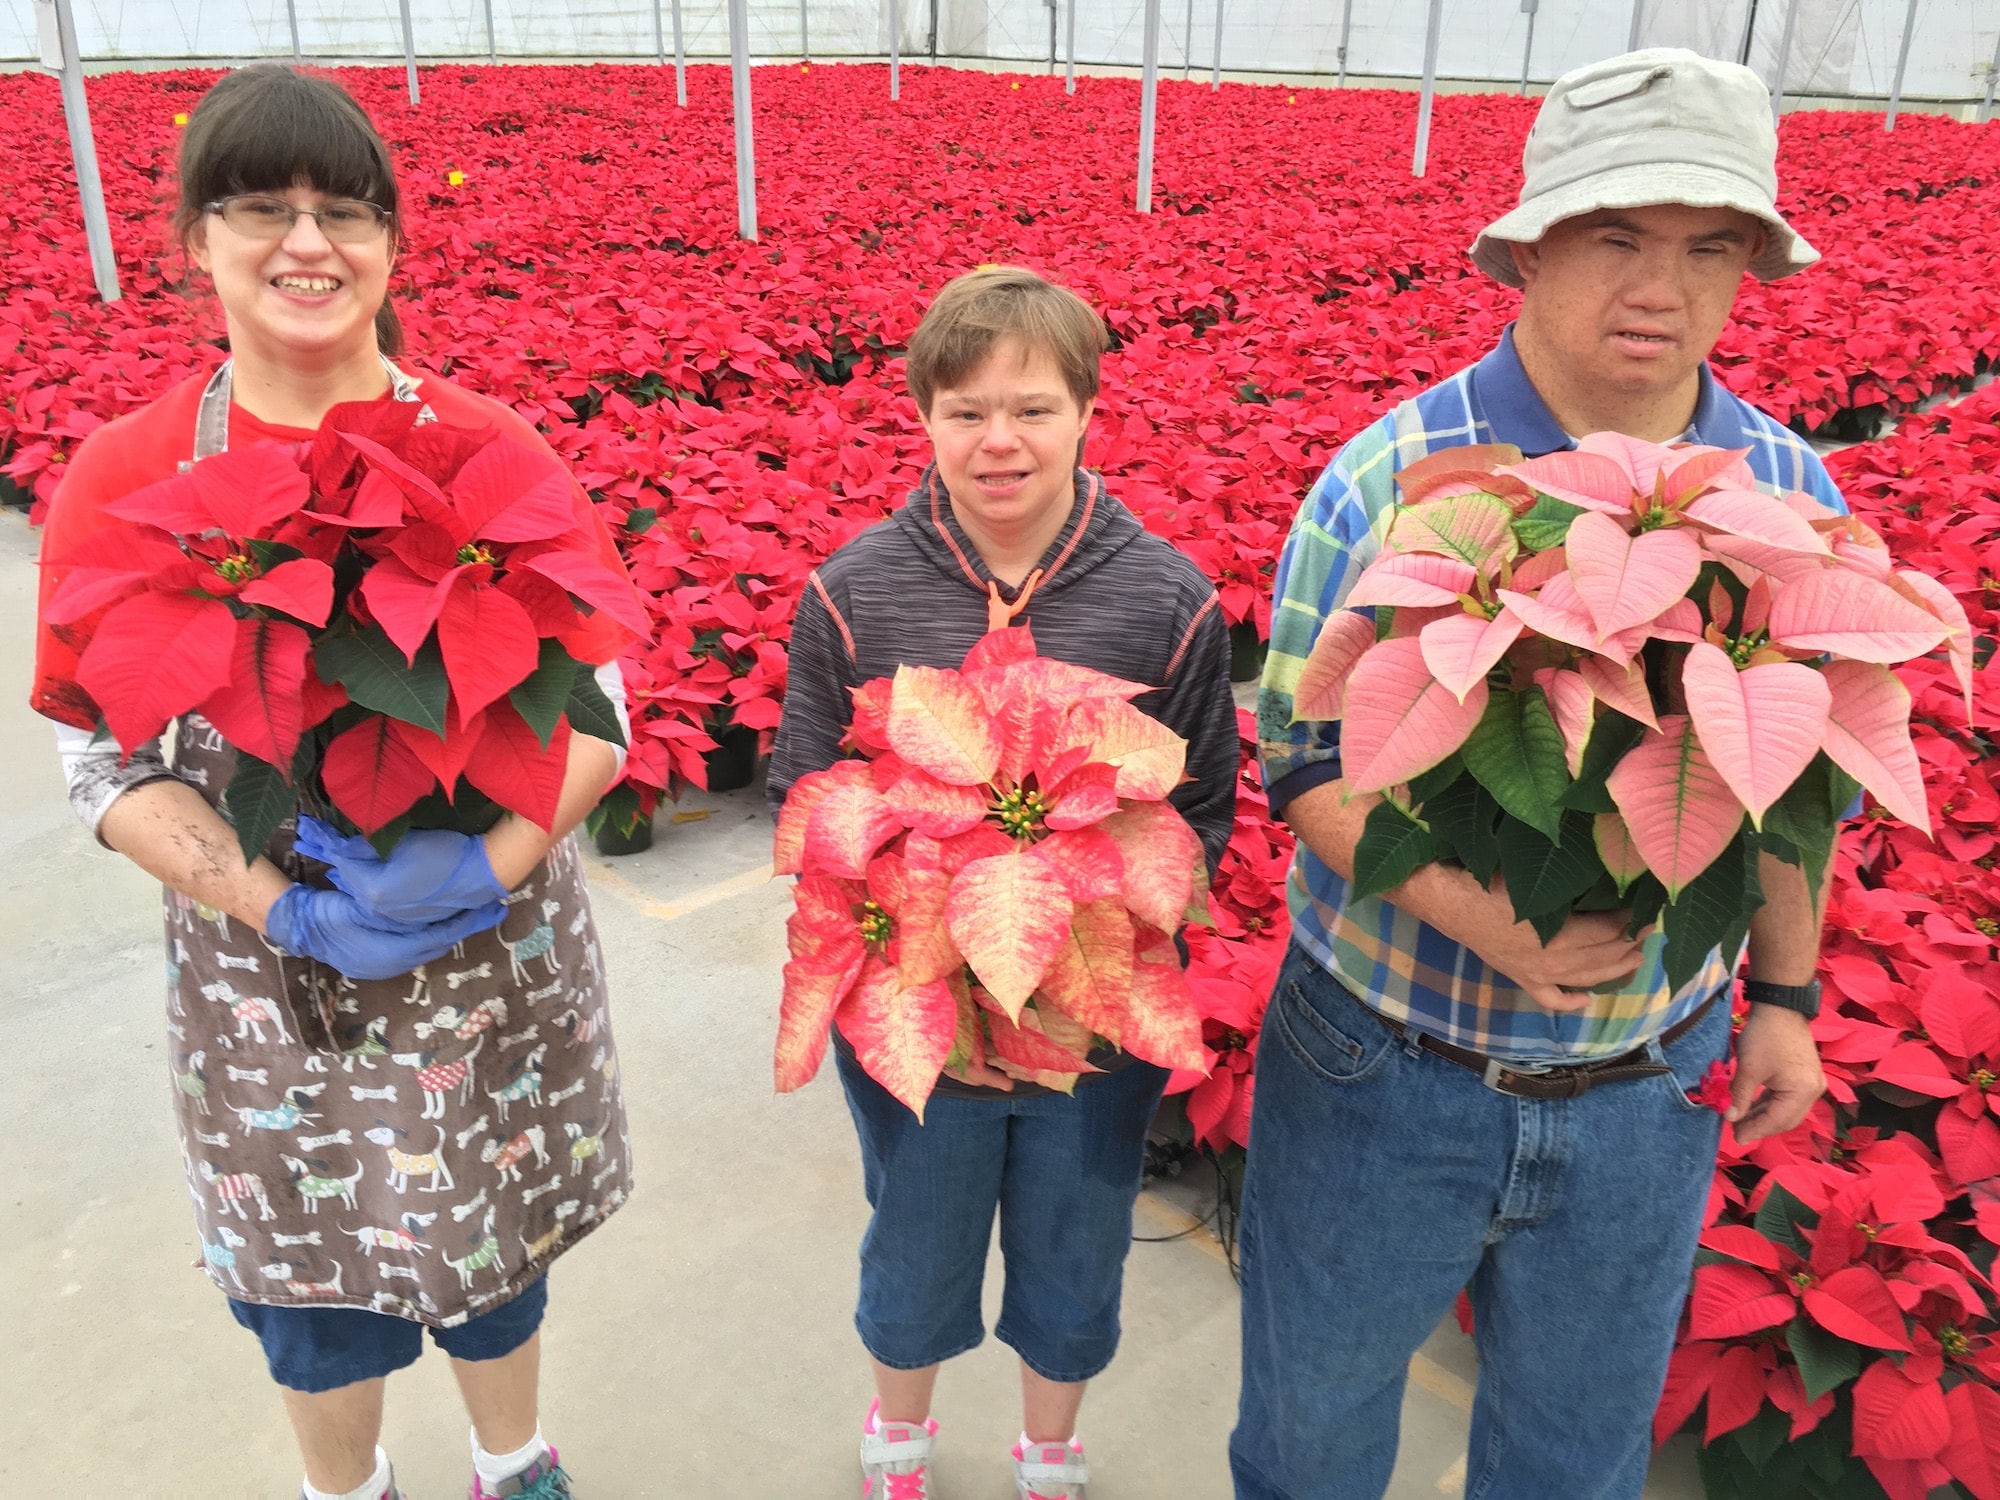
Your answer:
<point x="318" y="1349"/>
<point x="1382" y="1179"/>
<point x="1062" y="1172"/>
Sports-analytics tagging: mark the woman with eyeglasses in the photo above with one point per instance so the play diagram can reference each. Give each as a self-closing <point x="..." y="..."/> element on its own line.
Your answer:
<point x="420" y="1158"/>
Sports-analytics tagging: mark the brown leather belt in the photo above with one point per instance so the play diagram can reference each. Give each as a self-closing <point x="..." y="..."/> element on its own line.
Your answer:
<point x="1563" y="1082"/>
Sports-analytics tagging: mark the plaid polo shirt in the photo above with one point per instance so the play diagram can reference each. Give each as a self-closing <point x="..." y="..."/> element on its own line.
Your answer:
<point x="1404" y="968"/>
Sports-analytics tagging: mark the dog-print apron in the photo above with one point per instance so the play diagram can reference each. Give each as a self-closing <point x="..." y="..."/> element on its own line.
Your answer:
<point x="422" y="1146"/>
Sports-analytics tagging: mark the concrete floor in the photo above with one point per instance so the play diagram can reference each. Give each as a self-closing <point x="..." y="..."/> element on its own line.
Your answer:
<point x="702" y="1346"/>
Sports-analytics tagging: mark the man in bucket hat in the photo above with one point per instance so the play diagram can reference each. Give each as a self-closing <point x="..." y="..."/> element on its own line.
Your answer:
<point x="1443" y="1102"/>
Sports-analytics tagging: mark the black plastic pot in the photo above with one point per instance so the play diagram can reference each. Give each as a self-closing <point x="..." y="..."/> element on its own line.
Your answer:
<point x="613" y="839"/>
<point x="732" y="764"/>
<point x="1246" y="652"/>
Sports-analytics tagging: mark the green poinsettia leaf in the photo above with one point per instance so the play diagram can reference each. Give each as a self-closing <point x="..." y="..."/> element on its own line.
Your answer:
<point x="619" y="808"/>
<point x="1391" y="848"/>
<point x="257" y="801"/>
<point x="1463" y="818"/>
<point x="1545" y="877"/>
<point x="1714" y="910"/>
<point x="1763" y="1443"/>
<point x="544" y="693"/>
<point x="1645" y="898"/>
<point x="1610" y="737"/>
<point x="1802" y="825"/>
<point x="1436" y="779"/>
<point x="372" y="669"/>
<point x="1826" y="1361"/>
<point x="1546" y="524"/>
<point x="590" y="712"/>
<point x="1516" y="751"/>
<point x="1782" y="1217"/>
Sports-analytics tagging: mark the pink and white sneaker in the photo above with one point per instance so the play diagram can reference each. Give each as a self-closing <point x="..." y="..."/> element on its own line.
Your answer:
<point x="896" y="1458"/>
<point x="1050" y="1471"/>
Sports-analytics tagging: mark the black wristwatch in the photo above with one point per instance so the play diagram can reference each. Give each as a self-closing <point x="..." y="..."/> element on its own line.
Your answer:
<point x="1803" y="998"/>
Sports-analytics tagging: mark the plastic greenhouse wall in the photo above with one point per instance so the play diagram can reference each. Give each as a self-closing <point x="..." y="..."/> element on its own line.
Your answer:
<point x="1839" y="47"/>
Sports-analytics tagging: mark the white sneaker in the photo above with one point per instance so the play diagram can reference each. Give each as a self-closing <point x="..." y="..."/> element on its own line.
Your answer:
<point x="1050" y="1471"/>
<point x="896" y="1458"/>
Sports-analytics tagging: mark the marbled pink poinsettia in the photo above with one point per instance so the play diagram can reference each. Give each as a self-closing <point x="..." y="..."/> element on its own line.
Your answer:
<point x="1555" y="576"/>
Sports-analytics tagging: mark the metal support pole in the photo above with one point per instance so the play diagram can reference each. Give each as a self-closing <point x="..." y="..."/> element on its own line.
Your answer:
<point x="1069" y="52"/>
<point x="1902" y="61"/>
<point x="895" y="50"/>
<point x="292" y="15"/>
<point x="1784" y="58"/>
<point x="680" y="59"/>
<point x="1051" y="4"/>
<point x="1992" y="77"/>
<point x="659" y="37"/>
<point x="492" y="41"/>
<point x="1187" y="43"/>
<point x="1346" y="26"/>
<point x="1215" y="73"/>
<point x="82" y="146"/>
<point x="1418" y="160"/>
<point x="1749" y="31"/>
<point x="739" y="79"/>
<point x="805" y="35"/>
<point x="1528" y="8"/>
<point x="1638" y="15"/>
<point x="1149" y="88"/>
<point x="409" y="51"/>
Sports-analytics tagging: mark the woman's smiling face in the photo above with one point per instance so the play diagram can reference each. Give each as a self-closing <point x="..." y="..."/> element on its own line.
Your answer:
<point x="298" y="295"/>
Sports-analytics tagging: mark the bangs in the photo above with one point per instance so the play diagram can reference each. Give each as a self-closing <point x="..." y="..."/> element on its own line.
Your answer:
<point x="266" y="128"/>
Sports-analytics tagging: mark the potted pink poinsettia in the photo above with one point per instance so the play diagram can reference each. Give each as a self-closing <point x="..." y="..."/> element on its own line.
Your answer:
<point x="999" y="879"/>
<point x="1615" y="675"/>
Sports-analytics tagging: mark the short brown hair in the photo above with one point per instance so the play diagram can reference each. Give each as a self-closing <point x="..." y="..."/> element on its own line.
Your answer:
<point x="266" y="127"/>
<point x="976" y="311"/>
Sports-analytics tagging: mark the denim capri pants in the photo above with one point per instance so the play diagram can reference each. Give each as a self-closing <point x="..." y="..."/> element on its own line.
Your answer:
<point x="314" y="1349"/>
<point x="1062" y="1171"/>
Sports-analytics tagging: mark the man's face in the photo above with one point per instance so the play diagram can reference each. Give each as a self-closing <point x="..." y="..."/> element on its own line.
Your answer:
<point x="1631" y="300"/>
<point x="1006" y="440"/>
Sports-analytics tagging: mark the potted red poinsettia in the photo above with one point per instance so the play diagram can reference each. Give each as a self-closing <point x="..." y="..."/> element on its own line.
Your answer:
<point x="1000" y="877"/>
<point x="376" y="621"/>
<point x="1615" y="675"/>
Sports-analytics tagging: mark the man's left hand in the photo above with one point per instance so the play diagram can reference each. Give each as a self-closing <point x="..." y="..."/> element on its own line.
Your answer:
<point x="1775" y="1053"/>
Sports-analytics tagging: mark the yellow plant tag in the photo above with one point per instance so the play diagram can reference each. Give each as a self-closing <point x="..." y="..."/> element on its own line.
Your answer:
<point x="180" y="119"/>
<point x="455" y="177"/>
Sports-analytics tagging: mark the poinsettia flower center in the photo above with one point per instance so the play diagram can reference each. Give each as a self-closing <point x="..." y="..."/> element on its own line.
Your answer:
<point x="1953" y="1341"/>
<point x="875" y="925"/>
<point x="472" y="554"/>
<point x="1020" y="812"/>
<point x="1980" y="1078"/>
<point x="235" y="568"/>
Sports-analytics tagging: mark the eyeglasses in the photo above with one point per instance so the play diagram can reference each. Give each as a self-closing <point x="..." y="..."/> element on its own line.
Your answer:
<point x="258" y="216"/>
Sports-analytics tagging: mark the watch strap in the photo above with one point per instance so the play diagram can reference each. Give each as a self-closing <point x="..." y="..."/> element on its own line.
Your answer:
<point x="1803" y="998"/>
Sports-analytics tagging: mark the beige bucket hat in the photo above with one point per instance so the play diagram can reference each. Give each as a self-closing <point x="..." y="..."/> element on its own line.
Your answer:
<point x="1660" y="126"/>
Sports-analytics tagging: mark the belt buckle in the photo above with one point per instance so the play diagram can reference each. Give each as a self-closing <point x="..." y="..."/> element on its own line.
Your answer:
<point x="1494" y="1068"/>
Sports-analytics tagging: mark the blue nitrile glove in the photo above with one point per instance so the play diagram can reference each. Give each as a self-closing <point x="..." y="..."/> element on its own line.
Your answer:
<point x="344" y="934"/>
<point x="430" y="875"/>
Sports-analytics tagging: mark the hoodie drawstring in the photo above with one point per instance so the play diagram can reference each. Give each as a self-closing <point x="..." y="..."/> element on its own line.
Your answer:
<point x="999" y="613"/>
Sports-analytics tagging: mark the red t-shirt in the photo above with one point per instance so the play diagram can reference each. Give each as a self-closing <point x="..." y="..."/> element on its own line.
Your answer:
<point x="150" y="444"/>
